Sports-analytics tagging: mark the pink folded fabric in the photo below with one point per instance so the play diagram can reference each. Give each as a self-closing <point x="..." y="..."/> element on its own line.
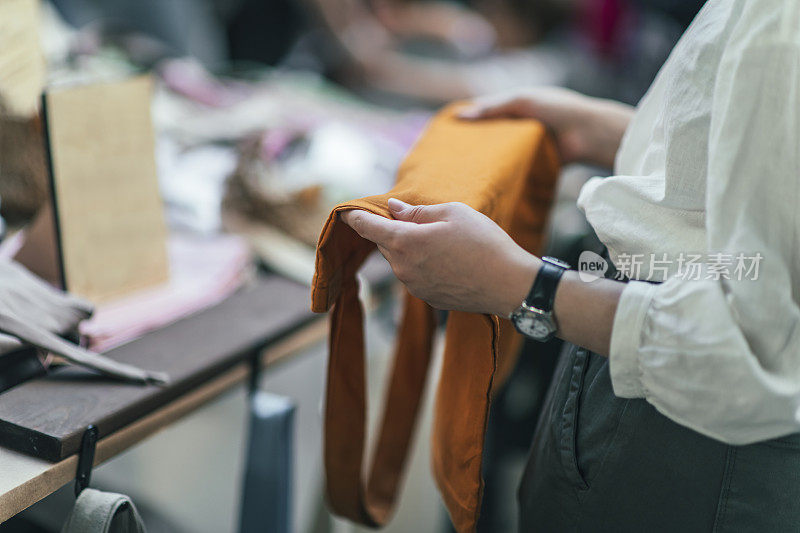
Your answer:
<point x="203" y="272"/>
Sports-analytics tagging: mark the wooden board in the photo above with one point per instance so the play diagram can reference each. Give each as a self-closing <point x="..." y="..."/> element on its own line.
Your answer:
<point x="26" y="479"/>
<point x="46" y="417"/>
<point x="108" y="213"/>
<point x="22" y="65"/>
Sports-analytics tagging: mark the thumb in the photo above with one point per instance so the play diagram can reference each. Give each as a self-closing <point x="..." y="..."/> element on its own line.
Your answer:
<point x="420" y="214"/>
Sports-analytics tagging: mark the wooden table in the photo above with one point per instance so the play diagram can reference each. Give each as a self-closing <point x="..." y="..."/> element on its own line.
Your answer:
<point x="269" y="320"/>
<point x="285" y="326"/>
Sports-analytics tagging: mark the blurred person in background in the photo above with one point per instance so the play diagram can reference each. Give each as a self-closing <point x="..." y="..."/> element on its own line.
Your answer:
<point x="428" y="51"/>
<point x="609" y="48"/>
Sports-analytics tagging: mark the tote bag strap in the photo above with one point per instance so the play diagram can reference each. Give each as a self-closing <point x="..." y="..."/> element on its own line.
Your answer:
<point x="369" y="497"/>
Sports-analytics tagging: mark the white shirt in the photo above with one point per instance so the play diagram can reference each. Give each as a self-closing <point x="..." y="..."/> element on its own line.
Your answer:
<point x="711" y="164"/>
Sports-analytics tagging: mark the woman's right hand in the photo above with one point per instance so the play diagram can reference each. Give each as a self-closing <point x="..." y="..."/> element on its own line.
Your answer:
<point x="587" y="130"/>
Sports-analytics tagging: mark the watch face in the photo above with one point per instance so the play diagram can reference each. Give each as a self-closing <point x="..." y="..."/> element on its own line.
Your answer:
<point x="541" y="330"/>
<point x="537" y="325"/>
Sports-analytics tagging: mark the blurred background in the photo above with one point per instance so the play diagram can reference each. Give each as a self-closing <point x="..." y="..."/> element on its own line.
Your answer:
<point x="269" y="112"/>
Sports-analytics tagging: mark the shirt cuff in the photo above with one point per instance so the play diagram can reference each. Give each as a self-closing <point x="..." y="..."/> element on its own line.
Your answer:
<point x="626" y="335"/>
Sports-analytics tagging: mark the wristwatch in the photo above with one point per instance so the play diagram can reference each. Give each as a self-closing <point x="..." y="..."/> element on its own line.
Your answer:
<point x="534" y="317"/>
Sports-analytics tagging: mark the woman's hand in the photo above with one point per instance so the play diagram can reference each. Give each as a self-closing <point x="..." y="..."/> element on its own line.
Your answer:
<point x="587" y="130"/>
<point x="455" y="258"/>
<point x="450" y="255"/>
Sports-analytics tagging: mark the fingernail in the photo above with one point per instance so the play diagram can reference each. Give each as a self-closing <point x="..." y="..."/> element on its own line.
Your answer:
<point x="469" y="113"/>
<point x="397" y="205"/>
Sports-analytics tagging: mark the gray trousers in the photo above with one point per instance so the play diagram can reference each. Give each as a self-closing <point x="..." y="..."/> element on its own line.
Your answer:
<point x="606" y="464"/>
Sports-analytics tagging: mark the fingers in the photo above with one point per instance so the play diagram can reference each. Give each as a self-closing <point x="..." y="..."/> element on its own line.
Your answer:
<point x="419" y="214"/>
<point x="512" y="106"/>
<point x="370" y="226"/>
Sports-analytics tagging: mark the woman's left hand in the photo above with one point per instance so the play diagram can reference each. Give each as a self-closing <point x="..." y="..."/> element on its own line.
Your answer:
<point x="450" y="255"/>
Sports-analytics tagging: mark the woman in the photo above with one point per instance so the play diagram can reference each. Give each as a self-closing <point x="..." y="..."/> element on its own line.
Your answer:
<point x="679" y="411"/>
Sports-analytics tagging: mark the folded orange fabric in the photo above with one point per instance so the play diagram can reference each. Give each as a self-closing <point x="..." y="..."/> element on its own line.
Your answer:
<point x="504" y="168"/>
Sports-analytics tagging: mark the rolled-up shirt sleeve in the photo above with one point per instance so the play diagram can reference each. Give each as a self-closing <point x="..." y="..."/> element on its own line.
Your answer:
<point x="722" y="356"/>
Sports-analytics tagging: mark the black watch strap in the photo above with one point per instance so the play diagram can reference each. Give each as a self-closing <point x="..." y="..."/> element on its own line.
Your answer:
<point x="543" y="292"/>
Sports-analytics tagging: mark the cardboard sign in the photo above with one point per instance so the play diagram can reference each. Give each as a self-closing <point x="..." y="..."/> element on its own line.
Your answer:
<point x="109" y="217"/>
<point x="22" y="67"/>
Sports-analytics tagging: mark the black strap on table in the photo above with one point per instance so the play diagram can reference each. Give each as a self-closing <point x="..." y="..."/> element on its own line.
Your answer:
<point x="86" y="459"/>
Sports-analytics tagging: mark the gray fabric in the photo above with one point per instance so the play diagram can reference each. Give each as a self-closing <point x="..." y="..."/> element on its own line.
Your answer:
<point x="103" y="512"/>
<point x="33" y="313"/>
<point x="266" y="499"/>
<point x="601" y="463"/>
<point x="35" y="302"/>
